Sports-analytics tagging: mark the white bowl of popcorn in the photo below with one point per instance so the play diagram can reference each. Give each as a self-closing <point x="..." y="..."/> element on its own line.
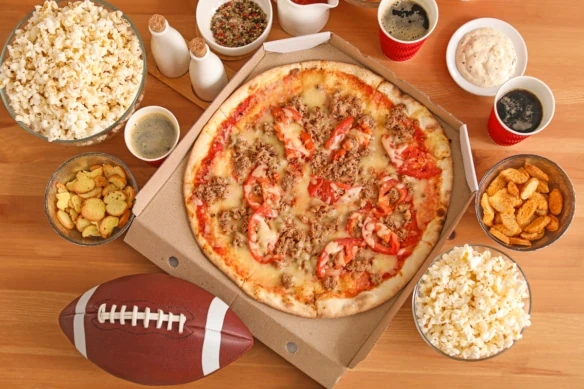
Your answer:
<point x="472" y="303"/>
<point x="73" y="73"/>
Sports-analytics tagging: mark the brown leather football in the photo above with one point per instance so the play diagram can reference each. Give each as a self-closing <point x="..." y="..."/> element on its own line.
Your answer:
<point x="155" y="329"/>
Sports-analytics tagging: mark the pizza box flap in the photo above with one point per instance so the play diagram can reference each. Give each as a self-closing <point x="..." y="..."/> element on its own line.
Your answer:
<point x="161" y="231"/>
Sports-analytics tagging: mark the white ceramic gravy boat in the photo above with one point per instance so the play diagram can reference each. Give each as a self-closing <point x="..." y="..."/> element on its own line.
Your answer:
<point x="298" y="19"/>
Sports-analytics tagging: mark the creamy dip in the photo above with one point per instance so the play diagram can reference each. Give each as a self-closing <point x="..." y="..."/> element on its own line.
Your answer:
<point x="486" y="57"/>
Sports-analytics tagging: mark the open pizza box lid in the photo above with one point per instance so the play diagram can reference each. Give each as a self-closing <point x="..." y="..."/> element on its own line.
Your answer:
<point x="321" y="348"/>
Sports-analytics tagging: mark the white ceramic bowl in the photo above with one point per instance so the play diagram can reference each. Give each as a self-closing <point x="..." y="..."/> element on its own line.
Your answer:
<point x="205" y="11"/>
<point x="505" y="28"/>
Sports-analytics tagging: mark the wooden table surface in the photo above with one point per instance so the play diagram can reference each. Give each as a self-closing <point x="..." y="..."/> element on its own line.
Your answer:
<point x="41" y="273"/>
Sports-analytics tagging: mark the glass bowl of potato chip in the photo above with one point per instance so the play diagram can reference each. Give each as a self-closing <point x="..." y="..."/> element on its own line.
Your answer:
<point x="525" y="202"/>
<point x="89" y="199"/>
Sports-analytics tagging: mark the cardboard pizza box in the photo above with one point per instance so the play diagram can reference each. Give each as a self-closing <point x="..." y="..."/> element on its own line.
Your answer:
<point x="161" y="231"/>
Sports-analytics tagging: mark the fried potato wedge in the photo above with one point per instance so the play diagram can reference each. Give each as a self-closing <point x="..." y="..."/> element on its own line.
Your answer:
<point x="532" y="235"/>
<point x="536" y="172"/>
<point x="556" y="201"/>
<point x="525" y="213"/>
<point x="65" y="220"/>
<point x="513" y="189"/>
<point x="107" y="225"/>
<point x="496" y="185"/>
<point x="538" y="224"/>
<point x="541" y="200"/>
<point x="520" y="242"/>
<point x="529" y="188"/>
<point x="488" y="211"/>
<point x="93" y="209"/>
<point x="554" y="224"/>
<point x="515" y="176"/>
<point x="510" y="224"/>
<point x="502" y="201"/>
<point x="543" y="187"/>
<point x="499" y="235"/>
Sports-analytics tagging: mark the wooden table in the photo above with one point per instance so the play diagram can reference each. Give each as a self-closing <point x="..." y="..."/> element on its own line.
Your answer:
<point x="40" y="273"/>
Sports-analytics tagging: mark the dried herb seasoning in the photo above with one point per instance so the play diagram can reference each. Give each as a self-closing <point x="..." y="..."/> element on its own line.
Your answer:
<point x="238" y="23"/>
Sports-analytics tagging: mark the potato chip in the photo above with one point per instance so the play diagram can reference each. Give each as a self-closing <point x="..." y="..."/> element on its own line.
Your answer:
<point x="95" y="172"/>
<point x="536" y="172"/>
<point x="554" y="224"/>
<point x="538" y="224"/>
<point x="76" y="203"/>
<point x="93" y="209"/>
<point x="107" y="225"/>
<point x="116" y="207"/>
<point x="124" y="218"/>
<point x="499" y="235"/>
<point x="112" y="188"/>
<point x="101" y="181"/>
<point x="63" y="200"/>
<point x="81" y="223"/>
<point x="529" y="188"/>
<point x="118" y="181"/>
<point x="65" y="219"/>
<point x="90" y="231"/>
<point x="108" y="170"/>
<point x="83" y="184"/>
<point x="515" y="176"/>
<point x="96" y="192"/>
<point x="556" y="201"/>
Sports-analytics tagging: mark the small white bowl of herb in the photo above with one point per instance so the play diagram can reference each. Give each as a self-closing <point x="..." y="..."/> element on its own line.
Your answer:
<point x="234" y="27"/>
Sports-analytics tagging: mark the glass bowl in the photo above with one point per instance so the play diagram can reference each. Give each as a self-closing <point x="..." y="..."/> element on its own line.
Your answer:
<point x="558" y="179"/>
<point x="65" y="173"/>
<point x="115" y="127"/>
<point x="479" y="249"/>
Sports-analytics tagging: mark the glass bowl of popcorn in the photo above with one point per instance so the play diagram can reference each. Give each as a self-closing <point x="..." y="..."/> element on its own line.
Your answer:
<point x="472" y="304"/>
<point x="73" y="72"/>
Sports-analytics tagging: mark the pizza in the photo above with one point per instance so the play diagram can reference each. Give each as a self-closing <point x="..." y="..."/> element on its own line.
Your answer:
<point x="319" y="188"/>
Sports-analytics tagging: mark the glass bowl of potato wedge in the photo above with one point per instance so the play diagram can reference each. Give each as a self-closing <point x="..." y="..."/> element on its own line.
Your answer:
<point x="525" y="202"/>
<point x="89" y="199"/>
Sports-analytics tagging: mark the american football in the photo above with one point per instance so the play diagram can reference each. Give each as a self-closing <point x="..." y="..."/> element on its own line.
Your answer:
<point x="155" y="329"/>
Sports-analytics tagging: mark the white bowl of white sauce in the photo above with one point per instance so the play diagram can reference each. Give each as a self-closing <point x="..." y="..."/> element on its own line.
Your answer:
<point x="499" y="25"/>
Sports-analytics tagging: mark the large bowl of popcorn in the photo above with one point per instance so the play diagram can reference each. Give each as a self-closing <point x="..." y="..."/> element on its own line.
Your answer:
<point x="73" y="73"/>
<point x="472" y="304"/>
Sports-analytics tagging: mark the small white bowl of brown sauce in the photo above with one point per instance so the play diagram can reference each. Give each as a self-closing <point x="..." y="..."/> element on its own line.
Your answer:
<point x="151" y="134"/>
<point x="234" y="28"/>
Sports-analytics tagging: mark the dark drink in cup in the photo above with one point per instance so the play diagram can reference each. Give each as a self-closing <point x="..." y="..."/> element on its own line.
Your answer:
<point x="406" y="20"/>
<point x="520" y="110"/>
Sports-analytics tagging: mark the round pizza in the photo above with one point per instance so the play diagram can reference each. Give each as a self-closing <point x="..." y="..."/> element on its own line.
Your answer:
<point x="319" y="188"/>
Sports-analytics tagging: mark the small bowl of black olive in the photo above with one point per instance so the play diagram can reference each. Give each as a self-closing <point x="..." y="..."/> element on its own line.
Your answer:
<point x="234" y="28"/>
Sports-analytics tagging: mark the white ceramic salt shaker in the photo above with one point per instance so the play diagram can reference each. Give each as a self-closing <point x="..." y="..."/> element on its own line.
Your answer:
<point x="169" y="48"/>
<point x="207" y="72"/>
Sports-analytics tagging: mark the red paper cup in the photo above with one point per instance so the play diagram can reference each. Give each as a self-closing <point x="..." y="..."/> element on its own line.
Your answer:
<point x="505" y="136"/>
<point x="396" y="49"/>
<point x="132" y="123"/>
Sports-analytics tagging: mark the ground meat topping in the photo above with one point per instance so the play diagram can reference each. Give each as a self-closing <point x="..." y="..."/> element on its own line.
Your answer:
<point x="359" y="264"/>
<point x="375" y="278"/>
<point x="239" y="240"/>
<point x="287" y="281"/>
<point x="343" y="106"/>
<point x="288" y="181"/>
<point x="319" y="126"/>
<point x="291" y="241"/>
<point x="397" y="126"/>
<point x="366" y="121"/>
<point x="393" y="195"/>
<point x="299" y="105"/>
<point x="217" y="188"/>
<point x="330" y="283"/>
<point x="245" y="156"/>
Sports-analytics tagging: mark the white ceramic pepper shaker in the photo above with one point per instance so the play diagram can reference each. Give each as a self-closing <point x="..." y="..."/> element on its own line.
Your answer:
<point x="207" y="72"/>
<point x="169" y="48"/>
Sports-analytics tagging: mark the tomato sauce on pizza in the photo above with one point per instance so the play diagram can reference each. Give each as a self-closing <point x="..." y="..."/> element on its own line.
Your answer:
<point x="319" y="188"/>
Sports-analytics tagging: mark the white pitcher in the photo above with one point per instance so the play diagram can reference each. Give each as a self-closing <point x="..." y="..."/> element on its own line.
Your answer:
<point x="298" y="19"/>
